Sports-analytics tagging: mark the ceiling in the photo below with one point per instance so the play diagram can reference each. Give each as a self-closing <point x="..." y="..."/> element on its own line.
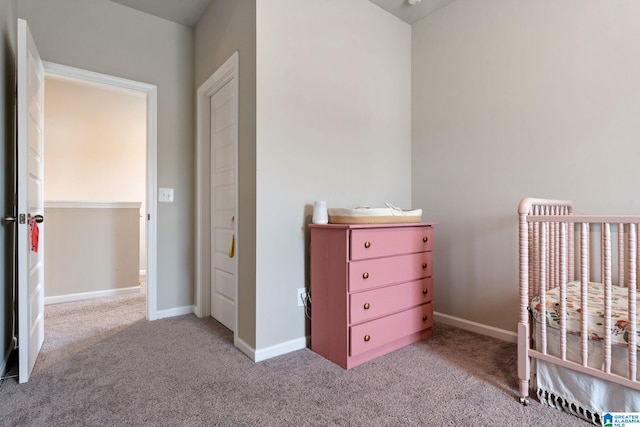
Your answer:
<point x="185" y="12"/>
<point x="408" y="13"/>
<point x="188" y="12"/>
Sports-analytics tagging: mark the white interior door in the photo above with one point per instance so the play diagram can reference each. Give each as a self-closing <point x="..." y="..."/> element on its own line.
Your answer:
<point x="30" y="202"/>
<point x="223" y="204"/>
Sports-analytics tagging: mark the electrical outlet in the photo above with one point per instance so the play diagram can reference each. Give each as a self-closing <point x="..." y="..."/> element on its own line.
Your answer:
<point x="165" y="195"/>
<point x="302" y="297"/>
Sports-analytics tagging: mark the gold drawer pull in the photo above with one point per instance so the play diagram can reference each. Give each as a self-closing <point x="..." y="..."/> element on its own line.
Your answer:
<point x="365" y="275"/>
<point x="425" y="239"/>
<point x="424" y="265"/>
<point x="367" y="244"/>
<point x="367" y="306"/>
<point x="367" y="338"/>
<point x="424" y="318"/>
<point x="425" y="291"/>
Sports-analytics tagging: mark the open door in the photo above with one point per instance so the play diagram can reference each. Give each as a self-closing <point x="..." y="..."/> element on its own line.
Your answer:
<point x="30" y="174"/>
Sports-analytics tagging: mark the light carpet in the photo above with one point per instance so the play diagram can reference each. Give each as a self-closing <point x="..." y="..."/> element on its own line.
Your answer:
<point x="102" y="364"/>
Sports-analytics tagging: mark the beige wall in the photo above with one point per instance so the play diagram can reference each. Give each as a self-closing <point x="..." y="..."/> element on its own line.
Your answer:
<point x="91" y="250"/>
<point x="514" y="99"/>
<point x="333" y="123"/>
<point x="96" y="145"/>
<point x="106" y="37"/>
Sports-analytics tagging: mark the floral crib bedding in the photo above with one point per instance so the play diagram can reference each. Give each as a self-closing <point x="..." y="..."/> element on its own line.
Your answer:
<point x="620" y="326"/>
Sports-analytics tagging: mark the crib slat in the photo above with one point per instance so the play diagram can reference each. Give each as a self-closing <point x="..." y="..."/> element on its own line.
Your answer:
<point x="553" y="274"/>
<point x="584" y="282"/>
<point x="555" y="279"/>
<point x="572" y="229"/>
<point x="633" y="285"/>
<point x="563" y="291"/>
<point x="543" y="286"/>
<point x="621" y="280"/>
<point x="534" y="289"/>
<point x="554" y="256"/>
<point x="550" y="254"/>
<point x="606" y="237"/>
<point x="601" y="253"/>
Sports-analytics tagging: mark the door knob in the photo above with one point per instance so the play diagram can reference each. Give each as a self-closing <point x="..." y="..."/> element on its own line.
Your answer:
<point x="9" y="219"/>
<point x="38" y="218"/>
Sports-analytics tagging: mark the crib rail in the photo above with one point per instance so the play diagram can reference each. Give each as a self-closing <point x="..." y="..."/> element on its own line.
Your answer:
<point x="556" y="247"/>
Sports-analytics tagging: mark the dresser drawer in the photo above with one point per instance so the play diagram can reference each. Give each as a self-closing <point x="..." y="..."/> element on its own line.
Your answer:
<point x="376" y="333"/>
<point x="373" y="273"/>
<point x="375" y="243"/>
<point x="368" y="305"/>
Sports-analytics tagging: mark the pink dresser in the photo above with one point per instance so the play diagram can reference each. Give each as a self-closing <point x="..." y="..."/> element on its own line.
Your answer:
<point x="371" y="289"/>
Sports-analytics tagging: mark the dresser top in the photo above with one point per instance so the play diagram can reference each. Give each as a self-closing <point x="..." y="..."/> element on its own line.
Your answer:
<point x="388" y="225"/>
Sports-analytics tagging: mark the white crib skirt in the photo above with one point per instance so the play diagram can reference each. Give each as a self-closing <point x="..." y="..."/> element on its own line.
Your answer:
<point x="579" y="393"/>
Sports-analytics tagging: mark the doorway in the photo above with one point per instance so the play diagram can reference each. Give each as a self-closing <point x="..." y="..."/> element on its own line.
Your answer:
<point x="96" y="199"/>
<point x="217" y="216"/>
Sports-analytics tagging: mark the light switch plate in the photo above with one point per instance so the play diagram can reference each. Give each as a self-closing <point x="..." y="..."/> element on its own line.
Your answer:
<point x="165" y="195"/>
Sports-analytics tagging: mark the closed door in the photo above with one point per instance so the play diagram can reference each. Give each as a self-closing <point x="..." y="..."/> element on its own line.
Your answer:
<point x="223" y="205"/>
<point x="30" y="173"/>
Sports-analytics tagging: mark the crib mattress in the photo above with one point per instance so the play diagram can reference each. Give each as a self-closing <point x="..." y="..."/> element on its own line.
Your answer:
<point x="366" y="215"/>
<point x="620" y="326"/>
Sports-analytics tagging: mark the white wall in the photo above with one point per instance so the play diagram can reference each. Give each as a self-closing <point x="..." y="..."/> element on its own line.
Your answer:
<point x="106" y="37"/>
<point x="333" y="123"/>
<point x="96" y="145"/>
<point x="515" y="99"/>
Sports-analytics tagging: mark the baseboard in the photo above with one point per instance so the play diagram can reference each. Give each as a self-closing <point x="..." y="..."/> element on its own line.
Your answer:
<point x="246" y="349"/>
<point x="273" y="351"/>
<point x="280" y="349"/>
<point x="173" y="312"/>
<point x="88" y="295"/>
<point x="478" y="328"/>
<point x="300" y="343"/>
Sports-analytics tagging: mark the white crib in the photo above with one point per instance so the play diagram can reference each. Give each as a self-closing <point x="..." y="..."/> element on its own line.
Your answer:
<point x="578" y="325"/>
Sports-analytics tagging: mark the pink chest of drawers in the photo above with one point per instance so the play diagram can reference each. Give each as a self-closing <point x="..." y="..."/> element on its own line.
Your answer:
<point x="371" y="289"/>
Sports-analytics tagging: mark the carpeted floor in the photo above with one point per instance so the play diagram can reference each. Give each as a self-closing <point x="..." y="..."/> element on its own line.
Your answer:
<point x="102" y="364"/>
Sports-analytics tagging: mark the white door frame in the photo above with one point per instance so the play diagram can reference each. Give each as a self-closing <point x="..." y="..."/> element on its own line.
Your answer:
<point x="227" y="72"/>
<point x="64" y="71"/>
